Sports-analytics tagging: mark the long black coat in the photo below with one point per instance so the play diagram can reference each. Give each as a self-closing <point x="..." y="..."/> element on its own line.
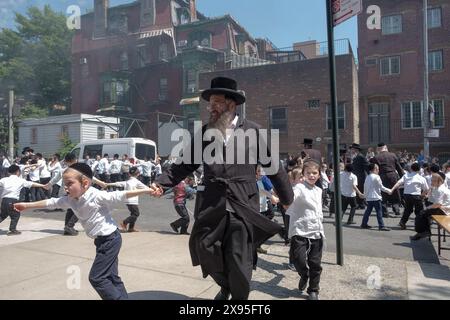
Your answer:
<point x="390" y="169"/>
<point x="360" y="169"/>
<point x="235" y="183"/>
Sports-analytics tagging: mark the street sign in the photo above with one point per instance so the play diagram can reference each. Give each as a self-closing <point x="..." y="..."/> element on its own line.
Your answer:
<point x="432" y="133"/>
<point x="345" y="9"/>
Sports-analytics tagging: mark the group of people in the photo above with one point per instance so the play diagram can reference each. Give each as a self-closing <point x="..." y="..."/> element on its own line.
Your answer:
<point x="231" y="214"/>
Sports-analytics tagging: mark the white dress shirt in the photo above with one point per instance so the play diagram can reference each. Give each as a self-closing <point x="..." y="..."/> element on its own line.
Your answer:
<point x="306" y="212"/>
<point x="10" y="186"/>
<point x="348" y="181"/>
<point x="441" y="195"/>
<point x="131" y="184"/>
<point x="5" y="164"/>
<point x="103" y="166"/>
<point x="92" y="209"/>
<point x="413" y="183"/>
<point x="373" y="187"/>
<point x="115" y="166"/>
<point x="56" y="173"/>
<point x="43" y="170"/>
<point x="447" y="179"/>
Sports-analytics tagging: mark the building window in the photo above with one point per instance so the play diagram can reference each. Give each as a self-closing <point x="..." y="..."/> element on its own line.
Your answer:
<point x="412" y="115"/>
<point x="163" y="51"/>
<point x="391" y="24"/>
<point x="124" y="61"/>
<point x="435" y="62"/>
<point x="34" y="136"/>
<point x="191" y="81"/>
<point x="142" y="56"/>
<point x="438" y="107"/>
<point x="379" y="128"/>
<point x="313" y="104"/>
<point x="278" y="119"/>
<point x="163" y="89"/>
<point x="341" y="116"/>
<point x="64" y="131"/>
<point x="100" y="132"/>
<point x="116" y="92"/>
<point x="200" y="38"/>
<point x="434" y="18"/>
<point x="390" y="66"/>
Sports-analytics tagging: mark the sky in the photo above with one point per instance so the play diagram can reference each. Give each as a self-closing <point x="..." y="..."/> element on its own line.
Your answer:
<point x="282" y="21"/>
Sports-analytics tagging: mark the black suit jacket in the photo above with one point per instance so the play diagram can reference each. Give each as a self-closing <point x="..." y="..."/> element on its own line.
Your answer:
<point x="235" y="183"/>
<point x="390" y="168"/>
<point x="360" y="168"/>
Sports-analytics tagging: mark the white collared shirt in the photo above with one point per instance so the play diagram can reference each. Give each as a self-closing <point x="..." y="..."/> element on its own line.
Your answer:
<point x="441" y="195"/>
<point x="5" y="164"/>
<point x="373" y="187"/>
<point x="92" y="209"/>
<point x="43" y="170"/>
<point x="10" y="186"/>
<point x="348" y="181"/>
<point x="131" y="184"/>
<point x="413" y="183"/>
<point x="115" y="166"/>
<point x="103" y="166"/>
<point x="305" y="212"/>
<point x="447" y="179"/>
<point x="56" y="172"/>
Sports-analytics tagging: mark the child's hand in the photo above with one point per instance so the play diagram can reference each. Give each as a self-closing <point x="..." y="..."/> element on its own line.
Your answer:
<point x="20" y="206"/>
<point x="47" y="186"/>
<point x="156" y="190"/>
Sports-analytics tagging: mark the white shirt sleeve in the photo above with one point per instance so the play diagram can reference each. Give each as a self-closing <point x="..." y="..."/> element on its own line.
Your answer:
<point x="114" y="197"/>
<point x="380" y="183"/>
<point x="140" y="185"/>
<point x="62" y="203"/>
<point x="27" y="184"/>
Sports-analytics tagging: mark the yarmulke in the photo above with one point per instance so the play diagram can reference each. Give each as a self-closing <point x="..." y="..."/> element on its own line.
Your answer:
<point x="83" y="169"/>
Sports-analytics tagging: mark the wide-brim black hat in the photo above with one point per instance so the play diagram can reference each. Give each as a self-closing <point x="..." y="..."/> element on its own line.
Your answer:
<point x="226" y="86"/>
<point x="355" y="146"/>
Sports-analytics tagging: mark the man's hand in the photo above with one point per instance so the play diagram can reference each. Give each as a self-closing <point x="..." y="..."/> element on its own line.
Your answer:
<point x="20" y="206"/>
<point x="157" y="191"/>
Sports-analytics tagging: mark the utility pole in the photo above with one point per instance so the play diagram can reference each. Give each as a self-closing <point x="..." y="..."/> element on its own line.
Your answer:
<point x="11" y="125"/>
<point x="426" y="115"/>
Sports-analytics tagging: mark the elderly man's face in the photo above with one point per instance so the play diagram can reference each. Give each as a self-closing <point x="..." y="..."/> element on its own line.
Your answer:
<point x="219" y="105"/>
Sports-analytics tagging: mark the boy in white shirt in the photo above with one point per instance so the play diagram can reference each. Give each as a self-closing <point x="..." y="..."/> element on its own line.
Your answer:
<point x="439" y="197"/>
<point x="10" y="193"/>
<point x="349" y="190"/>
<point x="372" y="192"/>
<point x="415" y="187"/>
<point x="114" y="170"/>
<point x="92" y="208"/>
<point x="132" y="203"/>
<point x="306" y="229"/>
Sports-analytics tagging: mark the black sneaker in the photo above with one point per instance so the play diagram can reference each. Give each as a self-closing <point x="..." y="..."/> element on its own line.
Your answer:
<point x="302" y="284"/>
<point x="420" y="235"/>
<point x="174" y="228"/>
<point x="13" y="233"/>
<point x="402" y="225"/>
<point x="223" y="294"/>
<point x="313" y="296"/>
<point x="70" y="232"/>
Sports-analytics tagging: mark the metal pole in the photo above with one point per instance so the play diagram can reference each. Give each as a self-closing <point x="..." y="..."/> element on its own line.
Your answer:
<point x="11" y="125"/>
<point x="426" y="119"/>
<point x="334" y="115"/>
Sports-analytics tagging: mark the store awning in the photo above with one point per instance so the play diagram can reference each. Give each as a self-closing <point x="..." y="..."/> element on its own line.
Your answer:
<point x="156" y="33"/>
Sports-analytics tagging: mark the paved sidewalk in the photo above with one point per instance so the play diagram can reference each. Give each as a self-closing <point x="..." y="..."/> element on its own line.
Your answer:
<point x="43" y="264"/>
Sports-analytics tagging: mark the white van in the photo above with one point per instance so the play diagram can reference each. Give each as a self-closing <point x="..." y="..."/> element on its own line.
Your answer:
<point x="136" y="148"/>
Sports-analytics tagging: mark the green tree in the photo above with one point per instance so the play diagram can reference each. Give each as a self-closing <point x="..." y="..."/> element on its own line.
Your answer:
<point x="36" y="59"/>
<point x="67" y="145"/>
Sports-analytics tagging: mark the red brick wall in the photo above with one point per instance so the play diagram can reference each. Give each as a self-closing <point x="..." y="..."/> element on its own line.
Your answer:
<point x="293" y="84"/>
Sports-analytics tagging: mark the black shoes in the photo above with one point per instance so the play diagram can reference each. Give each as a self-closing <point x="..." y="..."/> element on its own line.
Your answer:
<point x="366" y="226"/>
<point x="13" y="233"/>
<point x="313" y="296"/>
<point x="174" y="228"/>
<point x="302" y="284"/>
<point x="402" y="225"/>
<point x="68" y="231"/>
<point x="223" y="294"/>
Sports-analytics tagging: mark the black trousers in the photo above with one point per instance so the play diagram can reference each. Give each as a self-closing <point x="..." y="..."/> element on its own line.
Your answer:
<point x="238" y="259"/>
<point x="411" y="203"/>
<point x="349" y="201"/>
<point x="55" y="191"/>
<point x="134" y="214"/>
<point x="7" y="210"/>
<point x="71" y="219"/>
<point x="183" y="222"/>
<point x="115" y="177"/>
<point x="104" y="274"/>
<point x="422" y="222"/>
<point x="306" y="255"/>
<point x="44" y="193"/>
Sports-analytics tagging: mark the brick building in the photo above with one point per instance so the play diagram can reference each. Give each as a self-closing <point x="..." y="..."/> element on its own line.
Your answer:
<point x="294" y="97"/>
<point x="391" y="74"/>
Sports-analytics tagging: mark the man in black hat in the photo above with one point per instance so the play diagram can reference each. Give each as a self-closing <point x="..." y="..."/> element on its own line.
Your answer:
<point x="390" y="172"/>
<point x="228" y="227"/>
<point x="309" y="152"/>
<point x="360" y="169"/>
